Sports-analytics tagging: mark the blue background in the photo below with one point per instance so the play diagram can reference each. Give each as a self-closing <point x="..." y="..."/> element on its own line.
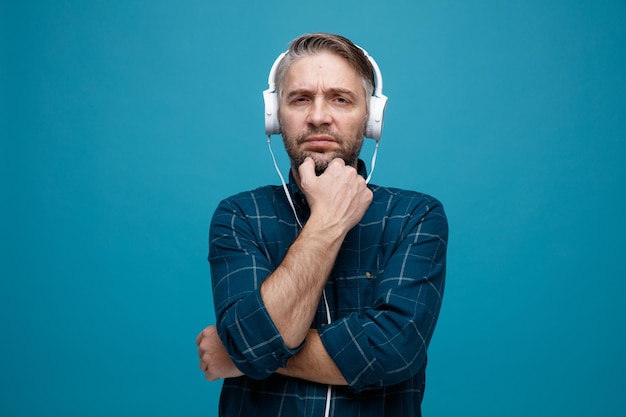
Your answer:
<point x="123" y="124"/>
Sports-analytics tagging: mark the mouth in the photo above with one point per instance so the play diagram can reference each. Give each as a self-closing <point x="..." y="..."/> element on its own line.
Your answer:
<point x="319" y="142"/>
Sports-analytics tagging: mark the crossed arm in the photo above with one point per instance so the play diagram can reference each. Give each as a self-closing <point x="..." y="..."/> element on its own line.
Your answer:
<point x="383" y="345"/>
<point x="338" y="200"/>
<point x="312" y="362"/>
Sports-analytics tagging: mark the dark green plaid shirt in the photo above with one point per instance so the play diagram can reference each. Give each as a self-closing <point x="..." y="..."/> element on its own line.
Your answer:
<point x="384" y="293"/>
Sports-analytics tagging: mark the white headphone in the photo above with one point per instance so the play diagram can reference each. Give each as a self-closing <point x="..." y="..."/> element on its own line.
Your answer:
<point x="378" y="101"/>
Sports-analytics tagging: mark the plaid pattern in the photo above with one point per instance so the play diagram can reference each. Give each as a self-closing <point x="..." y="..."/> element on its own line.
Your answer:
<point x="384" y="293"/>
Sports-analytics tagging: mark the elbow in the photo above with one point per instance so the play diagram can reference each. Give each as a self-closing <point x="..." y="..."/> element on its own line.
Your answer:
<point x="385" y="372"/>
<point x="368" y="360"/>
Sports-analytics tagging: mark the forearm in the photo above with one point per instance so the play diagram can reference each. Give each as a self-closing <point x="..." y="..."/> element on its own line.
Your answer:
<point x="338" y="199"/>
<point x="292" y="292"/>
<point x="312" y="363"/>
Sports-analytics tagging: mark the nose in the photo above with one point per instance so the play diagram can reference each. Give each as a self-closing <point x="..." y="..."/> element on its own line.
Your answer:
<point x="319" y="113"/>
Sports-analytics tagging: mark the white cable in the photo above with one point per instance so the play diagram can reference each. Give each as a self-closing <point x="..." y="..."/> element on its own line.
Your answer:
<point x="330" y="387"/>
<point x="282" y="180"/>
<point x="328" y="319"/>
<point x="328" y="394"/>
<point x="373" y="165"/>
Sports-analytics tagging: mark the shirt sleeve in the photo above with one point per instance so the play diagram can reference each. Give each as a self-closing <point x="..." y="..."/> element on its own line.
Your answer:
<point x="386" y="344"/>
<point x="238" y="267"/>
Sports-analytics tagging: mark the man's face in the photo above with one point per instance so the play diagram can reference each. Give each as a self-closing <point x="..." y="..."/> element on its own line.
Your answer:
<point x="322" y="111"/>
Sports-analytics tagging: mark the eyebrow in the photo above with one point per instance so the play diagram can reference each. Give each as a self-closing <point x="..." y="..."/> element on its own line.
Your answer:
<point x="334" y="90"/>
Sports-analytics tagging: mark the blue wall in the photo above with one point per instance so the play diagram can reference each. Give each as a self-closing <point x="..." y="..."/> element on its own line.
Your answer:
<point x="125" y="122"/>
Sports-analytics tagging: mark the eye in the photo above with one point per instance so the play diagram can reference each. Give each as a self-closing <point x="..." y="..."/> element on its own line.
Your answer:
<point x="300" y="100"/>
<point x="342" y="100"/>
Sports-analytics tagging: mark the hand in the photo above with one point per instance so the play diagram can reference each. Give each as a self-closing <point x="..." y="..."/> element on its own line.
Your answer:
<point x="214" y="360"/>
<point x="338" y="198"/>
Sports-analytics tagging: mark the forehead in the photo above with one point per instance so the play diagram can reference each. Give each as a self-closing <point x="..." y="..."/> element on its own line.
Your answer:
<point x="322" y="70"/>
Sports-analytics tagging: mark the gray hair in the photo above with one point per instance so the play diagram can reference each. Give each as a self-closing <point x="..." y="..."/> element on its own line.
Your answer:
<point x="314" y="43"/>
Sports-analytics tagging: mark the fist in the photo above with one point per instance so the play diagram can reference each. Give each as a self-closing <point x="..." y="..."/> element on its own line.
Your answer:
<point x="214" y="359"/>
<point x="338" y="198"/>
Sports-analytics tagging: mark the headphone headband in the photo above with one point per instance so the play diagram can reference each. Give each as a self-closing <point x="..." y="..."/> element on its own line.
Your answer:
<point x="378" y="101"/>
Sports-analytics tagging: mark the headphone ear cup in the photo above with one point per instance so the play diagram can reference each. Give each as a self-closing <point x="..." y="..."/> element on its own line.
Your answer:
<point x="272" y="125"/>
<point x="374" y="125"/>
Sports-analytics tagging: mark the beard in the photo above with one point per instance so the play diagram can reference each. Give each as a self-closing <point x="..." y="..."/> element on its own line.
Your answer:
<point x="349" y="152"/>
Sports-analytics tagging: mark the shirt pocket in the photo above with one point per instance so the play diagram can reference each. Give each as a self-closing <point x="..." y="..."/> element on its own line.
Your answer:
<point x="353" y="291"/>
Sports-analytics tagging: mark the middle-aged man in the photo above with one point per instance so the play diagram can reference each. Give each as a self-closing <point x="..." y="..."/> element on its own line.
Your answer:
<point x="326" y="290"/>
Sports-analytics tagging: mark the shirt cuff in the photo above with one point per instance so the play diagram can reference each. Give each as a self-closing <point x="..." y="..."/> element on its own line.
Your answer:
<point x="252" y="340"/>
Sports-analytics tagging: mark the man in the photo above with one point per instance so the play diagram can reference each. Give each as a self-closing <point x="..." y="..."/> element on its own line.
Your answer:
<point x="332" y="318"/>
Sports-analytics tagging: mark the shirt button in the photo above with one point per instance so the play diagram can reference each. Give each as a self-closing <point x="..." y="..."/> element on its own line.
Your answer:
<point x="368" y="275"/>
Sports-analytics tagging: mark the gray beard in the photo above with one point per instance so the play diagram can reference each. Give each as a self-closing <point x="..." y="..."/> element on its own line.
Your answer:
<point x="350" y="157"/>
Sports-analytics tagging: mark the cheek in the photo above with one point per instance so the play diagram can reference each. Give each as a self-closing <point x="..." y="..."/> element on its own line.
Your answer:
<point x="357" y="123"/>
<point x="288" y="122"/>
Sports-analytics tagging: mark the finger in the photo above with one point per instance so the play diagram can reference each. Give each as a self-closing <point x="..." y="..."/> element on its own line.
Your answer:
<point x="204" y="366"/>
<point x="337" y="161"/>
<point x="306" y="170"/>
<point x="203" y="334"/>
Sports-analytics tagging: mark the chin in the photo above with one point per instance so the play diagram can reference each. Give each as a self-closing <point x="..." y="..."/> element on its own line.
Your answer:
<point x="322" y="161"/>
